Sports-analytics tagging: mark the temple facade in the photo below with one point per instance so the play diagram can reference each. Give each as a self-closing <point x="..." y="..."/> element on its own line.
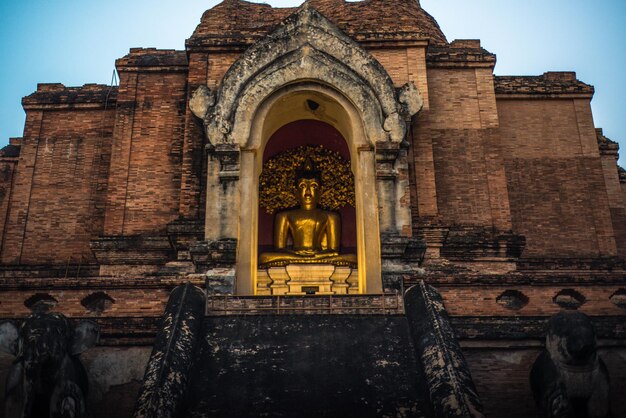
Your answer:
<point x="305" y="167"/>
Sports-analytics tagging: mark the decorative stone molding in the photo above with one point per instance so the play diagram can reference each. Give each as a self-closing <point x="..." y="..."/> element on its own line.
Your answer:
<point x="305" y="46"/>
<point x="146" y="253"/>
<point x="512" y="299"/>
<point x="407" y="249"/>
<point x="386" y="155"/>
<point x="183" y="233"/>
<point x="219" y="253"/>
<point x="569" y="299"/>
<point x="228" y="157"/>
<point x="466" y="243"/>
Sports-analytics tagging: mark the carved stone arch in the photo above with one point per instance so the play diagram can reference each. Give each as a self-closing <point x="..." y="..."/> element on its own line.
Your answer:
<point x="307" y="54"/>
<point x="307" y="26"/>
<point x="363" y="166"/>
<point x="306" y="64"/>
<point x="303" y="32"/>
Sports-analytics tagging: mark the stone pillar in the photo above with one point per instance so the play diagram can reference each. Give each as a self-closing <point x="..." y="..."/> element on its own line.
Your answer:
<point x="222" y="192"/>
<point x="386" y="154"/>
<point x="367" y="223"/>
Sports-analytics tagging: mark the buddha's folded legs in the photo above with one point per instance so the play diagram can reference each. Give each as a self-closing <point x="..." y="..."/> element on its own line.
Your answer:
<point x="278" y="259"/>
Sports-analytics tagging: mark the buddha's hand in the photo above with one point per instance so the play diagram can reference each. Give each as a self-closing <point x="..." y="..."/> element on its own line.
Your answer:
<point x="305" y="253"/>
<point x="327" y="254"/>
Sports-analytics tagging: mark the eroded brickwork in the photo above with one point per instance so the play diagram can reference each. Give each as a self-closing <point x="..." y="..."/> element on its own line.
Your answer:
<point x="514" y="194"/>
<point x="61" y="176"/>
<point x="9" y="157"/>
<point x="555" y="178"/>
<point x="148" y="143"/>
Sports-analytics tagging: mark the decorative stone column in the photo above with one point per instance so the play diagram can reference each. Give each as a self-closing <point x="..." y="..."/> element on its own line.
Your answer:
<point x="386" y="154"/>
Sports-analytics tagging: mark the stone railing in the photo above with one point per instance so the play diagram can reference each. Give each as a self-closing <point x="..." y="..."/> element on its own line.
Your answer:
<point x="379" y="304"/>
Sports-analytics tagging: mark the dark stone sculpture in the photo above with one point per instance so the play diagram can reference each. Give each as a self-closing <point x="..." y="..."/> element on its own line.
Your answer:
<point x="568" y="378"/>
<point x="47" y="377"/>
<point x="166" y="378"/>
<point x="450" y="384"/>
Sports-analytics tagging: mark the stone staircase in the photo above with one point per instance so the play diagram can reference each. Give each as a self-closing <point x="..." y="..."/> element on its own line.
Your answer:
<point x="306" y="365"/>
<point x="397" y="360"/>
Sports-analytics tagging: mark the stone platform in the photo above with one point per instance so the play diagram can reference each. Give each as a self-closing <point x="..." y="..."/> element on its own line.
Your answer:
<point x="307" y="279"/>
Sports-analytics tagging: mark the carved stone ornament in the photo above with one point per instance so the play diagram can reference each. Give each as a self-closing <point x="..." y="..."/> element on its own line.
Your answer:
<point x="201" y="101"/>
<point x="569" y="379"/>
<point x="47" y="377"/>
<point x="306" y="46"/>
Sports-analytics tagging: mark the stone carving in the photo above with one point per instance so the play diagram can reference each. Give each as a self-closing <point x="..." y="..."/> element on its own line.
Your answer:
<point x="569" y="379"/>
<point x="306" y="46"/>
<point x="396" y="127"/>
<point x="411" y="99"/>
<point x="168" y="370"/>
<point x="201" y="101"/>
<point x="47" y="377"/>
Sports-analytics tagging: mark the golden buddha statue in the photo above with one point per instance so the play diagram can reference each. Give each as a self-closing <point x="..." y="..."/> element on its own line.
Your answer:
<point x="315" y="233"/>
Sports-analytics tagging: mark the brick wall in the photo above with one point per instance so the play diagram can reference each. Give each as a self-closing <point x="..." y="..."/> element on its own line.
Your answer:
<point x="127" y="302"/>
<point x="501" y="379"/>
<point x="483" y="300"/>
<point x="466" y="155"/>
<point x="204" y="69"/>
<point x="609" y="153"/>
<point x="192" y="164"/>
<point x="145" y="176"/>
<point x="555" y="178"/>
<point x="7" y="177"/>
<point x="60" y="185"/>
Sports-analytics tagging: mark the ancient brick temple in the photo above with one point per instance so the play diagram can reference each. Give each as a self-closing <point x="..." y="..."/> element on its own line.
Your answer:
<point x="497" y="191"/>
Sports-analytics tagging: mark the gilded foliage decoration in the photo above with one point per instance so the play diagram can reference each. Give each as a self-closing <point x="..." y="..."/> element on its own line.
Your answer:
<point x="277" y="190"/>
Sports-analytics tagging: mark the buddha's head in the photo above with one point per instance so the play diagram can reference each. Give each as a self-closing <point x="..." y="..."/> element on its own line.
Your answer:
<point x="308" y="185"/>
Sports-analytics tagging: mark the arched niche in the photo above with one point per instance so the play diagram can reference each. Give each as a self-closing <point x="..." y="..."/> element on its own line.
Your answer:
<point x="286" y="106"/>
<point x="308" y="132"/>
<point x="306" y="58"/>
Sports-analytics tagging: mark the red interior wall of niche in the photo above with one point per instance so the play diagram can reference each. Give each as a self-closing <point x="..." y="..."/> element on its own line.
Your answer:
<point x="293" y="135"/>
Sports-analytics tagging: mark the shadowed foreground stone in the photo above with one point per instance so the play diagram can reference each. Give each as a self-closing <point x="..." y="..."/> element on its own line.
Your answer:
<point x="568" y="378"/>
<point x="165" y="381"/>
<point x="452" y="391"/>
<point x="306" y="366"/>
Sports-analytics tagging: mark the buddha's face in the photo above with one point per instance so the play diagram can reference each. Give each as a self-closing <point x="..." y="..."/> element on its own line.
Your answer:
<point x="308" y="193"/>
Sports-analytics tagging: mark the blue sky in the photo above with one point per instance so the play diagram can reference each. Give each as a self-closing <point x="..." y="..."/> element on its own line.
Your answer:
<point x="76" y="42"/>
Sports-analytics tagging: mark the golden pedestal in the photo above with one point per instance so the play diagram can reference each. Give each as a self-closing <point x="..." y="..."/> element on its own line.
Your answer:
<point x="307" y="279"/>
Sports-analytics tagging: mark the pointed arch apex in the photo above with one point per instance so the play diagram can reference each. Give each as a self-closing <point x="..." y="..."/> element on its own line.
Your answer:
<point x="310" y="32"/>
